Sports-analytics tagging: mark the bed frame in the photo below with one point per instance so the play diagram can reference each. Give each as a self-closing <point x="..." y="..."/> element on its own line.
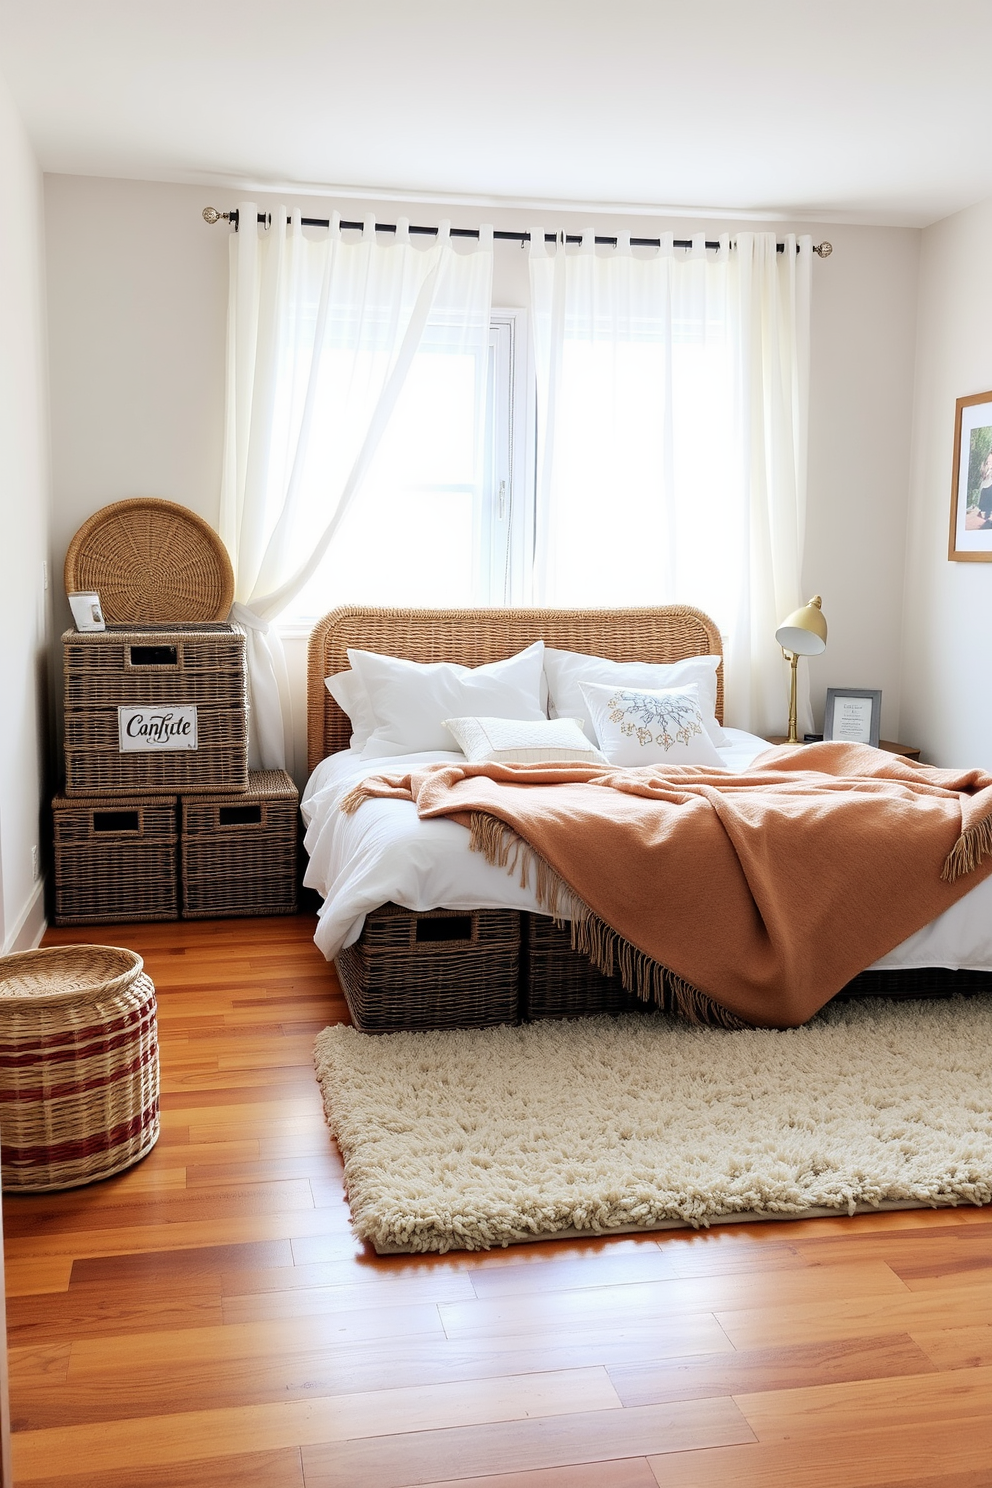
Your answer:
<point x="473" y="637"/>
<point x="394" y="977"/>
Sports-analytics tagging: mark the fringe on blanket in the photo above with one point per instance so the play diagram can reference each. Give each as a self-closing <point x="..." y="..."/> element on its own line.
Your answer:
<point x="608" y="951"/>
<point x="350" y="803"/>
<point x="969" y="850"/>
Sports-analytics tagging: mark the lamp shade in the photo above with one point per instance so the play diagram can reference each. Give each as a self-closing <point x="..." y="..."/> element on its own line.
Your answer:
<point x="804" y="632"/>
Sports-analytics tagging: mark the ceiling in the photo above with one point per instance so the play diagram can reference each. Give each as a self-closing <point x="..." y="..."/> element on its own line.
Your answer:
<point x="876" y="111"/>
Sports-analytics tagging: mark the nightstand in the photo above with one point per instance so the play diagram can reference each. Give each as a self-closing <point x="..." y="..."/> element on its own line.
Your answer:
<point x="909" y="751"/>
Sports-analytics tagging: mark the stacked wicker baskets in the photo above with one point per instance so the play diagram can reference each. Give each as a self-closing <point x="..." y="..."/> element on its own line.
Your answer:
<point x="130" y="842"/>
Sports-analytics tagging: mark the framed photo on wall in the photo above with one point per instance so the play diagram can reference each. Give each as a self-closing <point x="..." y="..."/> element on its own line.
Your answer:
<point x="971" y="481"/>
<point x="853" y="714"/>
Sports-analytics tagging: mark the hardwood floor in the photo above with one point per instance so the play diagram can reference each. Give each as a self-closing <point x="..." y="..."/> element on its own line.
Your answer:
<point x="207" y="1320"/>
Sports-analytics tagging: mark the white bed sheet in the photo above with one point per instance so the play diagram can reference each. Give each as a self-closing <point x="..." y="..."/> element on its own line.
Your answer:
<point x="385" y="852"/>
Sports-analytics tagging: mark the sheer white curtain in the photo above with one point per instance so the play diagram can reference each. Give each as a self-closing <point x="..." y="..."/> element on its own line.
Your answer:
<point x="672" y="409"/>
<point x="322" y="333"/>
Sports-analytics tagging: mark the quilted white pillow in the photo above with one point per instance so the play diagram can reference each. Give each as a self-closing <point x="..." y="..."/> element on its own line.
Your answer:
<point x="650" y="726"/>
<point x="410" y="700"/>
<point x="567" y="670"/>
<point x="523" y="741"/>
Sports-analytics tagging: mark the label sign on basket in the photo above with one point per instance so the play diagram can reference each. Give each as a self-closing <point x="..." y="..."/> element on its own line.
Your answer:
<point x="143" y="730"/>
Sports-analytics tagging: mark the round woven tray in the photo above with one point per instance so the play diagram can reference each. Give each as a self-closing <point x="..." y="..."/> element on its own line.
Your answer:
<point x="152" y="563"/>
<point x="78" y="1066"/>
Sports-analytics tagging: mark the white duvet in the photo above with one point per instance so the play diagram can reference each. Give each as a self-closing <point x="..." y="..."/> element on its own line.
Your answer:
<point x="385" y="852"/>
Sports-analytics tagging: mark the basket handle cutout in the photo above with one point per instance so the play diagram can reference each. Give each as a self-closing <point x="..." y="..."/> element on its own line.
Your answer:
<point x="117" y="821"/>
<point x="240" y="816"/>
<point x="445" y="927"/>
<point x="153" y="656"/>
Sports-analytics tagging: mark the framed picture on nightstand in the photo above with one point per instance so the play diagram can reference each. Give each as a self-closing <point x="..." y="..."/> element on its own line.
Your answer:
<point x="852" y="715"/>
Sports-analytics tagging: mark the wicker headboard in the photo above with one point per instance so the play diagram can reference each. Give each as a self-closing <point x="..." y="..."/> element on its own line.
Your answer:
<point x="662" y="634"/>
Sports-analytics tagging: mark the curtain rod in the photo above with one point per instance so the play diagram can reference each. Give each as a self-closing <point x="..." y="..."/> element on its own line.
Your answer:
<point x="211" y="215"/>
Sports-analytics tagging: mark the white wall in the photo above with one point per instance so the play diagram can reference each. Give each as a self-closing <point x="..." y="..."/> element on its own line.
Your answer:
<point x="137" y="297"/>
<point x="137" y="302"/>
<point x="24" y="534"/>
<point x="947" y="671"/>
<point x="861" y="399"/>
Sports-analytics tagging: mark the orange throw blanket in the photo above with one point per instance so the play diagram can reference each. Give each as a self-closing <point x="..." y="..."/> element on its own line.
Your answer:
<point x="741" y="898"/>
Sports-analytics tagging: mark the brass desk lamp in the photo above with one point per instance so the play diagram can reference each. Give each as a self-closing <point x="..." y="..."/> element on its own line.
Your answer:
<point x="803" y="633"/>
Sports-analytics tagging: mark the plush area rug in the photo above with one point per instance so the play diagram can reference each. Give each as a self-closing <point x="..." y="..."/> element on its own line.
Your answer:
<point x="485" y="1137"/>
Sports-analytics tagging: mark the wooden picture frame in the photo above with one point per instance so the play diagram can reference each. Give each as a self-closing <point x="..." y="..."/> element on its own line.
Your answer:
<point x="970" y="538"/>
<point x="847" y="720"/>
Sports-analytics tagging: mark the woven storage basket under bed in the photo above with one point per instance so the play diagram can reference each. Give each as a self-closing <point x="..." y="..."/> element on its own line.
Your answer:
<point x="446" y="968"/>
<point x="917" y="981"/>
<point x="558" y="982"/>
<point x="78" y="1066"/>
<point x="239" y="853"/>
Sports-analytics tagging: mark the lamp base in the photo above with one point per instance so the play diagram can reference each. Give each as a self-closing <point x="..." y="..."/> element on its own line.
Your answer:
<point x="793" y="657"/>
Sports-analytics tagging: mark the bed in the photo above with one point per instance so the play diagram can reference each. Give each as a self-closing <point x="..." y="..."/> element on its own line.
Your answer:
<point x="425" y="933"/>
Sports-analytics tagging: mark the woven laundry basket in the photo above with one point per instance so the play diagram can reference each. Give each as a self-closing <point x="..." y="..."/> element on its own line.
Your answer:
<point x="78" y="1066"/>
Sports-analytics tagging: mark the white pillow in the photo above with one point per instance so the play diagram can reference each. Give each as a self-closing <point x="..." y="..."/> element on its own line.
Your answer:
<point x="567" y="670"/>
<point x="650" y="726"/>
<point x="410" y="700"/>
<point x="523" y="741"/>
<point x="348" y="691"/>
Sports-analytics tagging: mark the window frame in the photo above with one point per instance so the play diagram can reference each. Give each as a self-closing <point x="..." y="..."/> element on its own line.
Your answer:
<point x="512" y="460"/>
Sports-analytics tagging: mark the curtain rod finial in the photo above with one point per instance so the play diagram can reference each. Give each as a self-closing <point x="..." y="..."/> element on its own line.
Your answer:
<point x="211" y="215"/>
<point x="823" y="249"/>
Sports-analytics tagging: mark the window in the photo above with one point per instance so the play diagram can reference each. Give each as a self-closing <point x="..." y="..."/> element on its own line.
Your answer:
<point x="445" y="515"/>
<point x="645" y="503"/>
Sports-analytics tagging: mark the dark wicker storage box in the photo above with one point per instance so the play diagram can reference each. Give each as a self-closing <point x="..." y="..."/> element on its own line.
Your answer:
<point x="918" y="981"/>
<point x="446" y="968"/>
<point x="158" y="668"/>
<point x="561" y="983"/>
<point x="239" y="853"/>
<point x="115" y="859"/>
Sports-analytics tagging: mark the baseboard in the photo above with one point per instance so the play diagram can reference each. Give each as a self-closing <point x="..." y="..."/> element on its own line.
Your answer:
<point x="31" y="926"/>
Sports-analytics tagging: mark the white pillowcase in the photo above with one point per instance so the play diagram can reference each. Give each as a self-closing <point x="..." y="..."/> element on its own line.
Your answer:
<point x="523" y="741"/>
<point x="348" y="691"/>
<point x="650" y="726"/>
<point x="567" y="670"/>
<point x="410" y="700"/>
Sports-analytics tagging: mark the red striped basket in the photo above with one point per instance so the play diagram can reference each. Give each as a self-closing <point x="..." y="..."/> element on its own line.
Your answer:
<point x="78" y="1066"/>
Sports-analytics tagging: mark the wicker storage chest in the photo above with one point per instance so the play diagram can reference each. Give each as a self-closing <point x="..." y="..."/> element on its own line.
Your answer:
<point x="115" y="859"/>
<point x="561" y="983"/>
<point x="157" y="669"/>
<point x="446" y="968"/>
<point x="78" y="1065"/>
<point x="239" y="853"/>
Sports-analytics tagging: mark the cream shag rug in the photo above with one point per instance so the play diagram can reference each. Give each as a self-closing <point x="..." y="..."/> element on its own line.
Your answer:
<point x="469" y="1139"/>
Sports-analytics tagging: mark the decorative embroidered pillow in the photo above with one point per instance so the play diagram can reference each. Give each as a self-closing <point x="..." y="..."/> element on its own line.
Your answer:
<point x="567" y="670"/>
<point x="650" y="726"/>
<point x="523" y="741"/>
